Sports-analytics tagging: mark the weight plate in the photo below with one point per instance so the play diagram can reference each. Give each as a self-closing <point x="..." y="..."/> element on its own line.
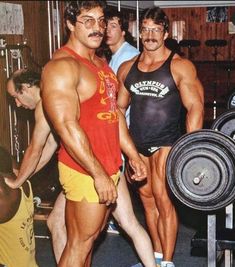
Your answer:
<point x="200" y="170"/>
<point x="225" y="123"/>
<point x="231" y="101"/>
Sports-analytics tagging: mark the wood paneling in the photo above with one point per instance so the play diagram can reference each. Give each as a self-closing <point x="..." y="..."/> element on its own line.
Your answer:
<point x="197" y="28"/>
<point x="36" y="35"/>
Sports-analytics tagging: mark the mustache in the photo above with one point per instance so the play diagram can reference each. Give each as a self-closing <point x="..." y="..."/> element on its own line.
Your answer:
<point x="97" y="33"/>
<point x="150" y="40"/>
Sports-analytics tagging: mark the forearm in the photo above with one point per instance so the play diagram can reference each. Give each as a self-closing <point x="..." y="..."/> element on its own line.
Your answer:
<point x="46" y="155"/>
<point x="28" y="165"/>
<point x="77" y="144"/>
<point x="194" y="118"/>
<point x="126" y="143"/>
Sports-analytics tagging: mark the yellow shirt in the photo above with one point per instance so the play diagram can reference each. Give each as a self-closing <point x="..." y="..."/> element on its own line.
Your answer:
<point x="17" y="242"/>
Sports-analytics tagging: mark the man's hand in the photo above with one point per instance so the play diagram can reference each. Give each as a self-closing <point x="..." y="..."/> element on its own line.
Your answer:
<point x="106" y="190"/>
<point x="139" y="169"/>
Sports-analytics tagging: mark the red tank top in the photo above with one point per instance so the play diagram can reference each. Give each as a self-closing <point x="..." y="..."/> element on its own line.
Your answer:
<point x="99" y="120"/>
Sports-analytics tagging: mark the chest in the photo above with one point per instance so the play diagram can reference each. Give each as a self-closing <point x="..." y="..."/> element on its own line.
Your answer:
<point x="101" y="82"/>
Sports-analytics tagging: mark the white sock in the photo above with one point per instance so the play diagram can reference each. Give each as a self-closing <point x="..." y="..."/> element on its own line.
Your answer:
<point x="158" y="255"/>
<point x="167" y="263"/>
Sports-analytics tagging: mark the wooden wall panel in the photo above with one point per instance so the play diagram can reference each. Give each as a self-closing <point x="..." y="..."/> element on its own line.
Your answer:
<point x="197" y="28"/>
<point x="36" y="35"/>
<point x="218" y="79"/>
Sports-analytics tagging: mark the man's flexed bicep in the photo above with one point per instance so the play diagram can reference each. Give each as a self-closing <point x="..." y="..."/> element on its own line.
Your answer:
<point x="60" y="80"/>
<point x="61" y="100"/>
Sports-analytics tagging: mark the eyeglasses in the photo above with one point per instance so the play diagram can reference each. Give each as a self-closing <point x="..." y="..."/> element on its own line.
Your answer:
<point x="90" y="22"/>
<point x="146" y="30"/>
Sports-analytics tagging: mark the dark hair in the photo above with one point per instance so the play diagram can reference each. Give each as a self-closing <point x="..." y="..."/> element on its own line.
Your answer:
<point x="157" y="15"/>
<point x="74" y="8"/>
<point x="5" y="162"/>
<point x="25" y="76"/>
<point x="122" y="20"/>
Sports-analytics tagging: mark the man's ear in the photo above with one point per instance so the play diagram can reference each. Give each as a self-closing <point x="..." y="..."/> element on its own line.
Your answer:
<point x="70" y="25"/>
<point x="166" y="34"/>
<point x="25" y="87"/>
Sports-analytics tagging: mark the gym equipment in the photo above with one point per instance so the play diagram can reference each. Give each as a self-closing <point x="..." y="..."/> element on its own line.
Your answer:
<point x="189" y="44"/>
<point x="231" y="101"/>
<point x="225" y="123"/>
<point x="200" y="173"/>
<point x="201" y="170"/>
<point x="215" y="43"/>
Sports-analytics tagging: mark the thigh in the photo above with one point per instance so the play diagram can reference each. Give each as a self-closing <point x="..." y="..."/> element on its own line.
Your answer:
<point x="145" y="187"/>
<point x="158" y="162"/>
<point x="123" y="207"/>
<point x="79" y="186"/>
<point x="59" y="209"/>
<point x="158" y="170"/>
<point x="84" y="220"/>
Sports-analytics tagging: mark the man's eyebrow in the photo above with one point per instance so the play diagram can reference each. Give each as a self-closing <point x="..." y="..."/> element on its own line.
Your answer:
<point x="113" y="22"/>
<point x="87" y="16"/>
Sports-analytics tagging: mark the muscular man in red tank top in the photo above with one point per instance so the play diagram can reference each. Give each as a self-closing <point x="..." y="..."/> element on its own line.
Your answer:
<point x="79" y="97"/>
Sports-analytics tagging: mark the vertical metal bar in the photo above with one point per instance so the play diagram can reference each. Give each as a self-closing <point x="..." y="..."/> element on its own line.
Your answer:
<point x="211" y="240"/>
<point x="16" y="137"/>
<point x="10" y="126"/>
<point x="229" y="224"/>
<point x="119" y="5"/>
<point x="19" y="59"/>
<point x="58" y="24"/>
<point x="49" y="27"/>
<point x="9" y="106"/>
<point x="137" y="25"/>
<point x="28" y="132"/>
<point x="7" y="63"/>
<point x="53" y="27"/>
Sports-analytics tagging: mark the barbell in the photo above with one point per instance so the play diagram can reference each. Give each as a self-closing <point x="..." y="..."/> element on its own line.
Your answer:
<point x="225" y="123"/>
<point x="200" y="170"/>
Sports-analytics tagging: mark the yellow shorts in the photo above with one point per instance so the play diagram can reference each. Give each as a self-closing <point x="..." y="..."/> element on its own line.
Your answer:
<point x="79" y="186"/>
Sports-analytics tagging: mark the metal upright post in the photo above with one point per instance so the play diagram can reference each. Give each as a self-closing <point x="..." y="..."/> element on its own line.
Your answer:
<point x="137" y="25"/>
<point x="211" y="240"/>
<point x="49" y="27"/>
<point x="229" y="225"/>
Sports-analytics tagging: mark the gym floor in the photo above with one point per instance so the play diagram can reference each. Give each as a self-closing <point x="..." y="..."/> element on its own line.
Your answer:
<point x="117" y="251"/>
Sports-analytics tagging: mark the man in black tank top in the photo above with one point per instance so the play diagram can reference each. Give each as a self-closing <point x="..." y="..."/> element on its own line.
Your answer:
<point x="156" y="85"/>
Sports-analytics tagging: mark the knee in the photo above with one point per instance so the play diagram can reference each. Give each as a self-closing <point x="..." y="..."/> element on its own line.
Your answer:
<point x="81" y="242"/>
<point x="128" y="222"/>
<point x="148" y="201"/>
<point x="55" y="223"/>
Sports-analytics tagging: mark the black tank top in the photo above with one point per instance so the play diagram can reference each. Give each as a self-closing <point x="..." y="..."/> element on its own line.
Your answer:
<point x="155" y="106"/>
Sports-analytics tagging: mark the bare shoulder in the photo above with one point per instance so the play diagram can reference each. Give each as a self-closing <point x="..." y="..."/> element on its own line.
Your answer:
<point x="60" y="54"/>
<point x="59" y="69"/>
<point x="125" y="68"/>
<point x="181" y="62"/>
<point x="39" y="114"/>
<point x="38" y="109"/>
<point x="182" y="65"/>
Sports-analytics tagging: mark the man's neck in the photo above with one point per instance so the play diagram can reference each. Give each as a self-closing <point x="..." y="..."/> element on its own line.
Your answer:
<point x="85" y="52"/>
<point x="114" y="48"/>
